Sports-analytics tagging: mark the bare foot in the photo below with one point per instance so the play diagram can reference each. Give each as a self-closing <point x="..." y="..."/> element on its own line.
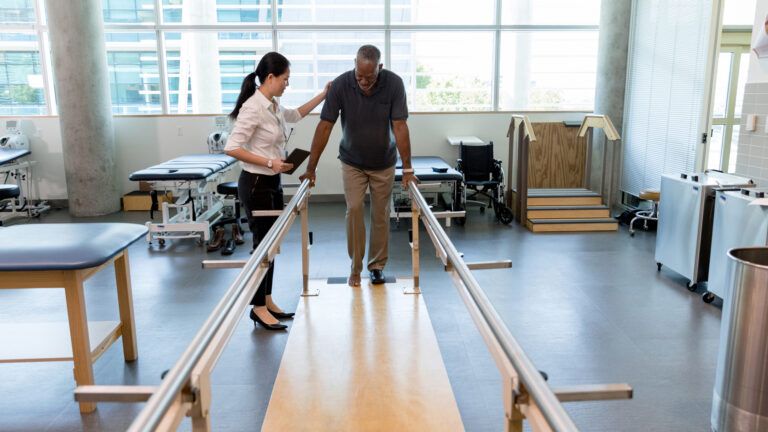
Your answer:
<point x="354" y="280"/>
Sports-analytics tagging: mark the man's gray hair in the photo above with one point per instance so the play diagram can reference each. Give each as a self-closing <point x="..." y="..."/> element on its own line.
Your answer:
<point x="369" y="53"/>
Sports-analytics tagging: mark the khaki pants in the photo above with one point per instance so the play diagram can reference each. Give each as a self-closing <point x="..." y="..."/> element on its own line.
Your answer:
<point x="356" y="183"/>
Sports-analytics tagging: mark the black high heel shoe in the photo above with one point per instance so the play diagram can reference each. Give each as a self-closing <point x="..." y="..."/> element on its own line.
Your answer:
<point x="258" y="320"/>
<point x="281" y="315"/>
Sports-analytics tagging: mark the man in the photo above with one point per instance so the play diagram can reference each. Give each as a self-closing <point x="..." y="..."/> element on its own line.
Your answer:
<point x="372" y="104"/>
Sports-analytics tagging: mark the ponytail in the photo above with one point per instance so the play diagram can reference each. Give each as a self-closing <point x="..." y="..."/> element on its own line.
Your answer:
<point x="272" y="63"/>
<point x="247" y="89"/>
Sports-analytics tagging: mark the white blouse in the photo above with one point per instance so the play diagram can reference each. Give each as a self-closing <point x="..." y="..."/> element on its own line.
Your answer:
<point x="260" y="129"/>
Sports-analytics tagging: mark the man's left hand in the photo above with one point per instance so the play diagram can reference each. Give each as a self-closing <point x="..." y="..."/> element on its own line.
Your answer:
<point x="409" y="178"/>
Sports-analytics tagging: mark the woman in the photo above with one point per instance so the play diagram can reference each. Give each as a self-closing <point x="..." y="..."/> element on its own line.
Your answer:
<point x="258" y="140"/>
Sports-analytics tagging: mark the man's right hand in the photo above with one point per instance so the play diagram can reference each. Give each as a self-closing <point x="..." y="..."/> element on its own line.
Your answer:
<point x="308" y="174"/>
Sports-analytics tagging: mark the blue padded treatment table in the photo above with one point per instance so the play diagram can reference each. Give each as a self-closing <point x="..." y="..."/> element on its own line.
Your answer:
<point x="185" y="168"/>
<point x="64" y="256"/>
<point x="8" y="155"/>
<point x="422" y="166"/>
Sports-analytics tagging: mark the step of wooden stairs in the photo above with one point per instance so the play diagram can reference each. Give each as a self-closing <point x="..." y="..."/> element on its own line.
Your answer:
<point x="568" y="210"/>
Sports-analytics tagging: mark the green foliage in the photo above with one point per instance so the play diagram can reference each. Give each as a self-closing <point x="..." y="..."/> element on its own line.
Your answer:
<point x="24" y="95"/>
<point x="437" y="94"/>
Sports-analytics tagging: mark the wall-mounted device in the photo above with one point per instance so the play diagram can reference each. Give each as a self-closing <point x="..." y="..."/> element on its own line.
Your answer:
<point x="14" y="139"/>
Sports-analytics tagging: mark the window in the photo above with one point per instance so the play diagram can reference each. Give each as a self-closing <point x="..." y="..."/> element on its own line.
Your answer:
<point x="444" y="12"/>
<point x="319" y="57"/>
<point x="190" y="56"/>
<point x="134" y="77"/>
<point x="445" y="71"/>
<point x="550" y="12"/>
<point x="548" y="71"/>
<point x="21" y="78"/>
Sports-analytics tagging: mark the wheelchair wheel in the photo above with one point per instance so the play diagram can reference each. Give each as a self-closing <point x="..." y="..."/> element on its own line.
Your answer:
<point x="460" y="221"/>
<point x="503" y="213"/>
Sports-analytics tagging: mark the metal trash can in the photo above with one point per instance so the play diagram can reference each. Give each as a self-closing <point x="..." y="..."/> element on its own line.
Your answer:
<point x="740" y="399"/>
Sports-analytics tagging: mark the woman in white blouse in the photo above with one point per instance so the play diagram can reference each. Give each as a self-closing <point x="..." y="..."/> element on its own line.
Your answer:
<point x="258" y="140"/>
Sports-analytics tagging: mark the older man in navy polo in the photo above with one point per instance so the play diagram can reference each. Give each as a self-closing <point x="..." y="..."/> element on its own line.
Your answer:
<point x="371" y="102"/>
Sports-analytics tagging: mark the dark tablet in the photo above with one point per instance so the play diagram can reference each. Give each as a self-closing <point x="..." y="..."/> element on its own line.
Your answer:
<point x="440" y="169"/>
<point x="296" y="158"/>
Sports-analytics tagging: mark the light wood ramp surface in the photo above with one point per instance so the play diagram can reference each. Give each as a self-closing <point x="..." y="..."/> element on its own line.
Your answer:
<point x="362" y="359"/>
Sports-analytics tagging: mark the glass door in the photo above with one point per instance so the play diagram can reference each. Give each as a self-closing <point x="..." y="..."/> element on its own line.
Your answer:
<point x="732" y="68"/>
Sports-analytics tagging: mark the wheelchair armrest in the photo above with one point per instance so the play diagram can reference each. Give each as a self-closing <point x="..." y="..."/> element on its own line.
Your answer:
<point x="459" y="165"/>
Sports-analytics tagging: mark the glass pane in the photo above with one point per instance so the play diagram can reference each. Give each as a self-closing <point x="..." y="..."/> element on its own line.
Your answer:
<point x="319" y="57"/>
<point x="533" y="76"/>
<point x="739" y="12"/>
<point x="331" y="11"/>
<point x="734" y="149"/>
<point x="134" y="76"/>
<point x="17" y="11"/>
<point x="715" y="147"/>
<point x="217" y="11"/>
<point x="21" y="77"/>
<point x="742" y="83"/>
<point x="445" y="71"/>
<point x="128" y="11"/>
<point x="205" y="69"/>
<point x="583" y="12"/>
<point x="442" y="12"/>
<point x="721" y="84"/>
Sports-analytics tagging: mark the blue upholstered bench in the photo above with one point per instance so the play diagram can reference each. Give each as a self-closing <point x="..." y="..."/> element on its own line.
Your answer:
<point x="64" y="256"/>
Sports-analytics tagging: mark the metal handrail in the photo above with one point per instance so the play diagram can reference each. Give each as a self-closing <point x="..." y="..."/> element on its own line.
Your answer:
<point x="544" y="398"/>
<point x="173" y="384"/>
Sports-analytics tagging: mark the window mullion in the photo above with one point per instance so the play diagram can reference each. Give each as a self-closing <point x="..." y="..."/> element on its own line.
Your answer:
<point x="45" y="68"/>
<point x="165" y="97"/>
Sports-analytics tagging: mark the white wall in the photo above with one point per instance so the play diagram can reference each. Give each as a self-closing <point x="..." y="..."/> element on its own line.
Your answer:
<point x="145" y="141"/>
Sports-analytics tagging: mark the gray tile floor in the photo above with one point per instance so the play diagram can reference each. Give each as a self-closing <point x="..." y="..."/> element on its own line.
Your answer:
<point x="587" y="308"/>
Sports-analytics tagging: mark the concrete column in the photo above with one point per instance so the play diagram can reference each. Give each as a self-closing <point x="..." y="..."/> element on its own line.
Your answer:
<point x="612" y="55"/>
<point x="85" y="116"/>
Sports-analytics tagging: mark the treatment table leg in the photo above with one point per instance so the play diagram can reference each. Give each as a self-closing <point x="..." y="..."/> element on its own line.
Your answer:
<point x="78" y="330"/>
<point x="125" y="303"/>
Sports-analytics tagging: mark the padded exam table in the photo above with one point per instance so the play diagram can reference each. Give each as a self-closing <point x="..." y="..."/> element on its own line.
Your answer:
<point x="429" y="170"/>
<point x="65" y="256"/>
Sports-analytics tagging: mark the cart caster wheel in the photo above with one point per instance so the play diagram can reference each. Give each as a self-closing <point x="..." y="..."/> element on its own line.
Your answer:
<point x="707" y="297"/>
<point x="631" y="233"/>
<point x="691" y="286"/>
<point x="161" y="242"/>
<point x="658" y="266"/>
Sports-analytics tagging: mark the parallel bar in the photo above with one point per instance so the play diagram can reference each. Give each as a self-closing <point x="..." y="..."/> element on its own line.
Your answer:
<point x="543" y="397"/>
<point x="224" y="264"/>
<point x="593" y="392"/>
<point x="116" y="393"/>
<point x="167" y="395"/>
<point x="487" y="265"/>
<point x="266" y="213"/>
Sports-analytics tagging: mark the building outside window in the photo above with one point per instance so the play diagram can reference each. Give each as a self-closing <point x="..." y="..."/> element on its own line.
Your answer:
<point x="190" y="57"/>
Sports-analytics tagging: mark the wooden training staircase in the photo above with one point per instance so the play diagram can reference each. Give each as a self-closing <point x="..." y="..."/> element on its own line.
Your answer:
<point x="563" y="159"/>
<point x="567" y="210"/>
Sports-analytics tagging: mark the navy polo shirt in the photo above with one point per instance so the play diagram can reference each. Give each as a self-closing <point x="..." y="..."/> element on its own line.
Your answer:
<point x="367" y="140"/>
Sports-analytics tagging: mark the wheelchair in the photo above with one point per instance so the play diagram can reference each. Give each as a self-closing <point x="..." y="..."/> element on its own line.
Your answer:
<point x="483" y="175"/>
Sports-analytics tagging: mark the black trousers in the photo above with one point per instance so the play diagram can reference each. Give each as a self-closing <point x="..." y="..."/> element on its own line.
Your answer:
<point x="260" y="192"/>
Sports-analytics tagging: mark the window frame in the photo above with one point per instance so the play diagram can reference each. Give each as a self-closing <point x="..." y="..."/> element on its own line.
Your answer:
<point x="160" y="28"/>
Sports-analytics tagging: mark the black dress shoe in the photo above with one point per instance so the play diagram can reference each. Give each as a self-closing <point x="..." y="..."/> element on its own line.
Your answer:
<point x="258" y="320"/>
<point x="229" y="247"/>
<point x="281" y="315"/>
<point x="377" y="276"/>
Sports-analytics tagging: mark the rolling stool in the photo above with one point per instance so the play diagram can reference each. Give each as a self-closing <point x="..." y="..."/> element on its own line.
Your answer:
<point x="646" y="215"/>
<point x="228" y="189"/>
<point x="8" y="192"/>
